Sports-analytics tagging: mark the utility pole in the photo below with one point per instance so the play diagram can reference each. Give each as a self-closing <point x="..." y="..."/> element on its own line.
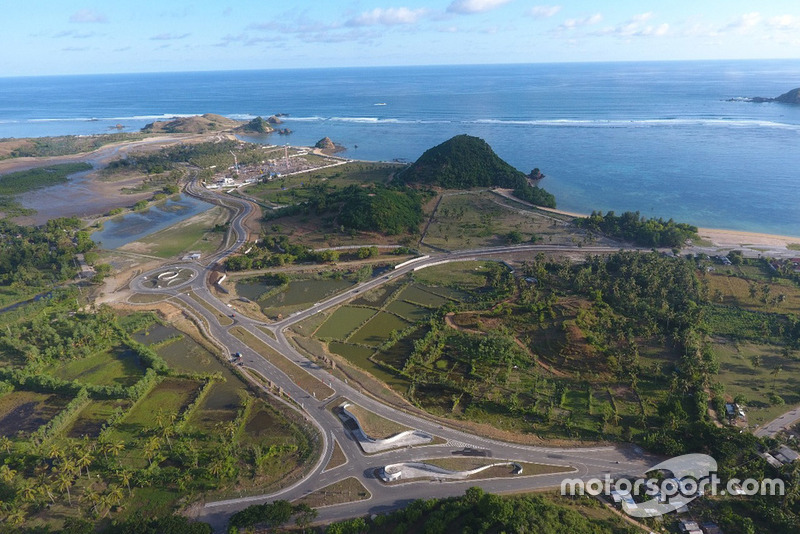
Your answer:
<point x="235" y="162"/>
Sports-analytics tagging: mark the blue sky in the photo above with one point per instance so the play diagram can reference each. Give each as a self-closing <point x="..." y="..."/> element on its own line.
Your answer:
<point x="43" y="37"/>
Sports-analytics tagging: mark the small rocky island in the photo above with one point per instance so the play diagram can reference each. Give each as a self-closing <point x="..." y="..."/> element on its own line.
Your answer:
<point x="328" y="147"/>
<point x="791" y="97"/>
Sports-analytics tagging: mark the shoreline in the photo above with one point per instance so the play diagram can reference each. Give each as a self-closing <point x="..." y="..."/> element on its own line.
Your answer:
<point x="758" y="242"/>
<point x="726" y="238"/>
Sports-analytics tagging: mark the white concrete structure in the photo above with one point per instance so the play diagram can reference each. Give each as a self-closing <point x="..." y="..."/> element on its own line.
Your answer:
<point x="370" y="445"/>
<point x="412" y="470"/>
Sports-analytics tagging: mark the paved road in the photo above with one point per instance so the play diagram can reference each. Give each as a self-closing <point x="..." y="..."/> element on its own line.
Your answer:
<point x="586" y="462"/>
<point x="778" y="424"/>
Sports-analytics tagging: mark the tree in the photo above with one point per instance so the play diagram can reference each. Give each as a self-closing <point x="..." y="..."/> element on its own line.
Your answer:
<point x="64" y="482"/>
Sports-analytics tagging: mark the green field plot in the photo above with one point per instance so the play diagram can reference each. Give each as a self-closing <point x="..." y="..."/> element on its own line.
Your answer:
<point x="466" y="275"/>
<point x="779" y="296"/>
<point x="25" y="411"/>
<point x="171" y="396"/>
<point x="408" y="311"/>
<point x="90" y="420"/>
<point x="185" y="355"/>
<point x="356" y="354"/>
<point x="119" y="366"/>
<point x="301" y="292"/>
<point x="481" y="219"/>
<point x="377" y="330"/>
<point x="418" y="295"/>
<point x="344" y="321"/>
<point x="759" y="373"/>
<point x="376" y="298"/>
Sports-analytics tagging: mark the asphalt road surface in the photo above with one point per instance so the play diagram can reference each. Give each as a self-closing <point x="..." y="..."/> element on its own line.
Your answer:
<point x="585" y="462"/>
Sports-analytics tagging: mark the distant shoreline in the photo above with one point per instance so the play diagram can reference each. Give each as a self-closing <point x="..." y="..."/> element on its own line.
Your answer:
<point x="719" y="237"/>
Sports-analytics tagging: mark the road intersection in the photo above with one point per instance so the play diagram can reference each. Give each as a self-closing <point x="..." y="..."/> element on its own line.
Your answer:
<point x="586" y="462"/>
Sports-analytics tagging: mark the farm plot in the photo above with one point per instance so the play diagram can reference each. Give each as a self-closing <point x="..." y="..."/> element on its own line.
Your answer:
<point x="25" y="411"/>
<point x="344" y="321"/>
<point x="118" y="366"/>
<point x="377" y="330"/>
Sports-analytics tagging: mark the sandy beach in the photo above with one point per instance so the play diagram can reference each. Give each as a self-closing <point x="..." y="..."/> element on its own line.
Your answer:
<point x="754" y="242"/>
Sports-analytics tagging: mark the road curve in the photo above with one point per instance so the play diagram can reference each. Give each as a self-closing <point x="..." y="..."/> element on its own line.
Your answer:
<point x="587" y="462"/>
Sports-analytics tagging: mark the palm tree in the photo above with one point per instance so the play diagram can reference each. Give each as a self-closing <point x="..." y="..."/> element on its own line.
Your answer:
<point x="64" y="482"/>
<point x="16" y="517"/>
<point x="84" y="459"/>
<point x="117" y="448"/>
<point x="6" y="444"/>
<point x="28" y="491"/>
<point x="151" y="448"/>
<point x="7" y="474"/>
<point x="125" y="477"/>
<point x="55" y="452"/>
<point x="115" y="494"/>
<point x="92" y="497"/>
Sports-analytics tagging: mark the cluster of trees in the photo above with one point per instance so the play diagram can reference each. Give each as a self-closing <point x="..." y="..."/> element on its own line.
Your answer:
<point x="41" y="255"/>
<point x="272" y="514"/>
<point x="478" y="513"/>
<point x="631" y="226"/>
<point x="377" y="208"/>
<point x="274" y="251"/>
<point x="381" y="209"/>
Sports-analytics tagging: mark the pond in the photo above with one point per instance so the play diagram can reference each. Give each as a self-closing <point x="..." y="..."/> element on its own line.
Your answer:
<point x="128" y="228"/>
<point x="187" y="356"/>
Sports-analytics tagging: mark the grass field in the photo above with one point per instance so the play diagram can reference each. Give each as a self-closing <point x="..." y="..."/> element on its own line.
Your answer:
<point x="736" y="291"/>
<point x="481" y="219"/>
<point x="119" y="366"/>
<point x="466" y="275"/>
<point x="773" y="374"/>
<point x="338" y="457"/>
<point x="373" y="424"/>
<point x="406" y="310"/>
<point x="223" y="318"/>
<point x="417" y="294"/>
<point x="344" y="491"/>
<point x="377" y="329"/>
<point x="193" y="234"/>
<point x="343" y="322"/>
<point x="171" y="396"/>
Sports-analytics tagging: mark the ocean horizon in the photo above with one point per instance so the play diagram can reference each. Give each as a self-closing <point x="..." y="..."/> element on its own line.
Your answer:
<point x="662" y="138"/>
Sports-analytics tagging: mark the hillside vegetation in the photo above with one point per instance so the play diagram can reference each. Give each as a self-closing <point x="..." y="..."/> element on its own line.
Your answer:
<point x="463" y="162"/>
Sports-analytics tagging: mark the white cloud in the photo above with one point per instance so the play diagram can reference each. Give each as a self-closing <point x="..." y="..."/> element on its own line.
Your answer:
<point x="784" y="22"/>
<point x="543" y="12"/>
<point x="88" y="16"/>
<point x="468" y="7"/>
<point x="571" y="24"/>
<point x="391" y="16"/>
<point x="169" y="37"/>
<point x="744" y="23"/>
<point x="636" y="27"/>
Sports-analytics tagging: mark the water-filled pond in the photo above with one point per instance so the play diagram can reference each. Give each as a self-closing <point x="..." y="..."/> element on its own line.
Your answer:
<point x="128" y="228"/>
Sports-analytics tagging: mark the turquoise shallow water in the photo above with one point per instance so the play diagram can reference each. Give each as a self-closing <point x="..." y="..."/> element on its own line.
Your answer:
<point x="661" y="138"/>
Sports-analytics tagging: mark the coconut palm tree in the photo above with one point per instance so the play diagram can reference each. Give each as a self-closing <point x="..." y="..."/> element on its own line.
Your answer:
<point x="92" y="497"/>
<point x="84" y="459"/>
<point x="125" y="477"/>
<point x="6" y="444"/>
<point x="64" y="482"/>
<point x="7" y="474"/>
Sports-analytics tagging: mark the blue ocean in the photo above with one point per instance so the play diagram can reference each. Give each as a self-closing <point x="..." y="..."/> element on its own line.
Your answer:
<point x="661" y="138"/>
